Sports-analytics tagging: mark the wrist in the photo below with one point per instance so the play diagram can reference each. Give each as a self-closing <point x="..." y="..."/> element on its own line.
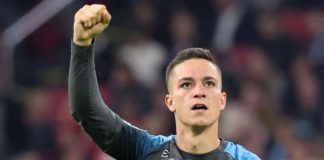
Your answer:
<point x="83" y="42"/>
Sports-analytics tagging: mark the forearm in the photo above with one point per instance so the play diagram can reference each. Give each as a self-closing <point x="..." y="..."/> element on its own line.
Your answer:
<point x="86" y="104"/>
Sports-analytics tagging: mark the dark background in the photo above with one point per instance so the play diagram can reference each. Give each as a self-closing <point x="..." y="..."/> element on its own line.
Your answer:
<point x="271" y="53"/>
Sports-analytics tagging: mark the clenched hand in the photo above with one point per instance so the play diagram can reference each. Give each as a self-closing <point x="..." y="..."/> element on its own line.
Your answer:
<point x="89" y="21"/>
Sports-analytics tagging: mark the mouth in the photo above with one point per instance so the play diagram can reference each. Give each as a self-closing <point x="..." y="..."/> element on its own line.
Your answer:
<point x="199" y="107"/>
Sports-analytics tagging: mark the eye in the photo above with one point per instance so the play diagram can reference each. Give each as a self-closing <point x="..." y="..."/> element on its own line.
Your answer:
<point x="210" y="84"/>
<point x="185" y="85"/>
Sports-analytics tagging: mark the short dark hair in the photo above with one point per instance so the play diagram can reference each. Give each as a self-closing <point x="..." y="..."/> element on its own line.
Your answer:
<point x="190" y="53"/>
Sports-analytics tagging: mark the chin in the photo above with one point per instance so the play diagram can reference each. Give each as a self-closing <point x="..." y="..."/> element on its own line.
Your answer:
<point x="200" y="124"/>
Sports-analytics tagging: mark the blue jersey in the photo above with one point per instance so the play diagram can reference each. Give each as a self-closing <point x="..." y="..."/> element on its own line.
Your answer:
<point x="135" y="143"/>
<point x="115" y="136"/>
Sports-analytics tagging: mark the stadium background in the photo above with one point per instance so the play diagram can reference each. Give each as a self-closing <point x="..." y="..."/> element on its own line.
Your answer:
<point x="271" y="53"/>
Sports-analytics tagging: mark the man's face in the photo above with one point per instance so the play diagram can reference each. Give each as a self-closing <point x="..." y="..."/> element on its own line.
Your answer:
<point x="195" y="93"/>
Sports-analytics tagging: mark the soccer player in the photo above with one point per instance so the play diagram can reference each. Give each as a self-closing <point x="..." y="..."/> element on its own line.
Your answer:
<point x="194" y="96"/>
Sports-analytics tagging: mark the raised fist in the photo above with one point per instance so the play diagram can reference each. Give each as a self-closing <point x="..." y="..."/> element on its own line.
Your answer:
<point x="89" y="21"/>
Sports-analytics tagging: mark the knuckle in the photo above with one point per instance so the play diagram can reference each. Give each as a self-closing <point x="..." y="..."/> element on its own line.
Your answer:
<point x="103" y="7"/>
<point x="85" y="7"/>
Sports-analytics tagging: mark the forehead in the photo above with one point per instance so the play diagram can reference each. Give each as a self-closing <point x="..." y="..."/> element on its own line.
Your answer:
<point x="194" y="68"/>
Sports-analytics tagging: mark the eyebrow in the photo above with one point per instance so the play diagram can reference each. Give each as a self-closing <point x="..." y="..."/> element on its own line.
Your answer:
<point x="191" y="79"/>
<point x="186" y="79"/>
<point x="209" y="78"/>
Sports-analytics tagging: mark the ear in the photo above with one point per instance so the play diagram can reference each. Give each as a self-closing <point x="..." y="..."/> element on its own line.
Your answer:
<point x="223" y="99"/>
<point x="169" y="102"/>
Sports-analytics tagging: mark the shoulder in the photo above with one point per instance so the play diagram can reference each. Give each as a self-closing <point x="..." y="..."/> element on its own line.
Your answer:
<point x="238" y="152"/>
<point x="146" y="143"/>
<point x="153" y="142"/>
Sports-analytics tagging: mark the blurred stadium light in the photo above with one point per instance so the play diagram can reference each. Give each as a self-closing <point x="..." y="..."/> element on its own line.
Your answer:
<point x="24" y="26"/>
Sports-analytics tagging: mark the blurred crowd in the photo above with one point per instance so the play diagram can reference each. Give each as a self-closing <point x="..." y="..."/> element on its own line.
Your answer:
<point x="271" y="53"/>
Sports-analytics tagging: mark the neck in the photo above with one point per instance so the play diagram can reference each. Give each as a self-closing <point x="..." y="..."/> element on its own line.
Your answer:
<point x="197" y="140"/>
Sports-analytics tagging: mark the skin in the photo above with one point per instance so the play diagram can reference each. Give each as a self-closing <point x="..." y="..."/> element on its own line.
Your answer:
<point x="196" y="81"/>
<point x="89" y="21"/>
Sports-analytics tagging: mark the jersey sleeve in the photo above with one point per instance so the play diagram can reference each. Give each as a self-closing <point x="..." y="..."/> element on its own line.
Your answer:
<point x="113" y="135"/>
<point x="86" y="105"/>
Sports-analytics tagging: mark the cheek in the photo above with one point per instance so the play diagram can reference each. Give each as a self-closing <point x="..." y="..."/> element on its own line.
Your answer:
<point x="179" y="100"/>
<point x="220" y="101"/>
<point x="216" y="99"/>
<point x="181" y="96"/>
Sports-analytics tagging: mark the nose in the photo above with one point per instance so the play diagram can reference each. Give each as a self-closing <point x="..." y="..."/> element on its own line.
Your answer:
<point x="199" y="96"/>
<point x="199" y="92"/>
